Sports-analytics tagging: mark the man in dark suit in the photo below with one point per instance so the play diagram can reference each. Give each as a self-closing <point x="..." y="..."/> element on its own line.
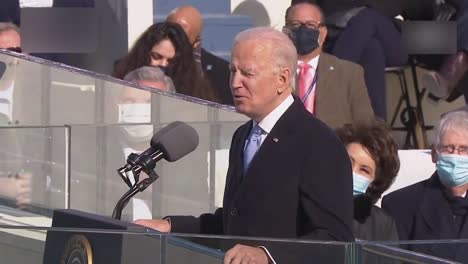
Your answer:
<point x="436" y="208"/>
<point x="288" y="176"/>
<point x="332" y="89"/>
<point x="215" y="68"/>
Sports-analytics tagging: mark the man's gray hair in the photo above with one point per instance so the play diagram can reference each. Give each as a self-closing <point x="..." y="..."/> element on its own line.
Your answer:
<point x="456" y="120"/>
<point x="149" y="73"/>
<point x="7" y="26"/>
<point x="284" y="53"/>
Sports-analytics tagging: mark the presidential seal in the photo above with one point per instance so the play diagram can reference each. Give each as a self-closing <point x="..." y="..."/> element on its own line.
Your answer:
<point x="77" y="251"/>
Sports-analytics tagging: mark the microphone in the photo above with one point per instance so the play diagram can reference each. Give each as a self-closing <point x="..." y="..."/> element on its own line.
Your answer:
<point x="171" y="143"/>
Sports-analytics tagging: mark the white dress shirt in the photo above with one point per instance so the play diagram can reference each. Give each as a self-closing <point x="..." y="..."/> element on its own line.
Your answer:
<point x="269" y="121"/>
<point x="314" y="64"/>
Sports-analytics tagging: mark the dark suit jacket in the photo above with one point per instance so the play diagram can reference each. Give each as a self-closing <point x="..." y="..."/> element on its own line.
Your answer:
<point x="217" y="71"/>
<point x="10" y="11"/>
<point x="371" y="222"/>
<point x="341" y="95"/>
<point x="73" y="3"/>
<point x="298" y="185"/>
<point x="422" y="212"/>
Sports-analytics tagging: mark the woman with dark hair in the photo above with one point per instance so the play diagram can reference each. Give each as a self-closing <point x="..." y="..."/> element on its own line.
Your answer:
<point x="374" y="157"/>
<point x="165" y="45"/>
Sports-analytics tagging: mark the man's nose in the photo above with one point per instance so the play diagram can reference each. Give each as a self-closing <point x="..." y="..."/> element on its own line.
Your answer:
<point x="235" y="80"/>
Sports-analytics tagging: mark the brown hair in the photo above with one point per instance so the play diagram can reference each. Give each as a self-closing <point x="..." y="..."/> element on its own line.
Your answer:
<point x="184" y="71"/>
<point x="377" y="139"/>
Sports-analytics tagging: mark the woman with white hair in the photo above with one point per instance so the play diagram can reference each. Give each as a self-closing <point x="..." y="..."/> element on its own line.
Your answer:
<point x="437" y="208"/>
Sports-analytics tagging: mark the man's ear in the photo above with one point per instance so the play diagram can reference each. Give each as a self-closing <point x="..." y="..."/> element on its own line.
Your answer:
<point x="323" y="35"/>
<point x="284" y="80"/>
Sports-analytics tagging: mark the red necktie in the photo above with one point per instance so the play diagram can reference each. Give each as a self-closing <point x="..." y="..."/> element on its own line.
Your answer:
<point x="306" y="77"/>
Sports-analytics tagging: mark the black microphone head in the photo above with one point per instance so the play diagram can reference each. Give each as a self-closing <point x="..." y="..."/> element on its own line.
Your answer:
<point x="175" y="140"/>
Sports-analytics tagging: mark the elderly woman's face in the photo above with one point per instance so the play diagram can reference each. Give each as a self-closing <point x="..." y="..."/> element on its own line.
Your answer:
<point x="361" y="160"/>
<point x="162" y="53"/>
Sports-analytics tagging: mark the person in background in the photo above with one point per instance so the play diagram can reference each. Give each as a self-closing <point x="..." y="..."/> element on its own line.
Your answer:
<point x="15" y="183"/>
<point x="374" y="157"/>
<point x="330" y="88"/>
<point x="10" y="37"/>
<point x="152" y="77"/>
<point x="364" y="32"/>
<point x="165" y="45"/>
<point x="134" y="113"/>
<point x="451" y="78"/>
<point x="213" y="67"/>
<point x="437" y="208"/>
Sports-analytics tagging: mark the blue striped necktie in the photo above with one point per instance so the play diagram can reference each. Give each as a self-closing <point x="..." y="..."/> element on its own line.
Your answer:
<point x="252" y="146"/>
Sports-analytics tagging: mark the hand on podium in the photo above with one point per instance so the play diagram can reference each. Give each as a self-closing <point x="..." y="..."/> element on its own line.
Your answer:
<point x="246" y="254"/>
<point x="161" y="225"/>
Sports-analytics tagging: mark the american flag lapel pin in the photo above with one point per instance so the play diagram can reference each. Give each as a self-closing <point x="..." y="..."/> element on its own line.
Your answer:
<point x="276" y="140"/>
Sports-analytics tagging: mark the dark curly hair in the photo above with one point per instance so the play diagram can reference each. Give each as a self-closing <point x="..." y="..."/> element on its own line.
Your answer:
<point x="183" y="69"/>
<point x="383" y="149"/>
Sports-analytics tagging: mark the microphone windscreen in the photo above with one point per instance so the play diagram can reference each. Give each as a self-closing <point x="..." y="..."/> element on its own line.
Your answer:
<point x="175" y="140"/>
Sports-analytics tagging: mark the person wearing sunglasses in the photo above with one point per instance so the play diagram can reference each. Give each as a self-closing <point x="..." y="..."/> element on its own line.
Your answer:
<point x="437" y="208"/>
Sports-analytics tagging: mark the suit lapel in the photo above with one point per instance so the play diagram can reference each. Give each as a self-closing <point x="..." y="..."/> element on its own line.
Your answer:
<point x="276" y="138"/>
<point x="439" y="221"/>
<point x="324" y="69"/>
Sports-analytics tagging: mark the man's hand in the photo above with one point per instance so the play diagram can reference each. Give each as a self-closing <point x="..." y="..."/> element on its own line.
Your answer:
<point x="241" y="254"/>
<point x="162" y="225"/>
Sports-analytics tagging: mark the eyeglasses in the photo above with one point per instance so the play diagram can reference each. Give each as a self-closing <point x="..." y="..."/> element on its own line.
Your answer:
<point x="450" y="149"/>
<point x="308" y="24"/>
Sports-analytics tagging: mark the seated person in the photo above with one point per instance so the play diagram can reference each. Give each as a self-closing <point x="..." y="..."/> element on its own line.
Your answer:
<point x="330" y="88"/>
<point x="15" y="184"/>
<point x="152" y="77"/>
<point x="374" y="157"/>
<point x="451" y="77"/>
<point x="214" y="68"/>
<point x="363" y="32"/>
<point x="10" y="38"/>
<point x="436" y="208"/>
<point x="165" y="45"/>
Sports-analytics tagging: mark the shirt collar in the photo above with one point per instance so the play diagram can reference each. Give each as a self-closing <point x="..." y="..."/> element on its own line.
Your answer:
<point x="313" y="62"/>
<point x="270" y="120"/>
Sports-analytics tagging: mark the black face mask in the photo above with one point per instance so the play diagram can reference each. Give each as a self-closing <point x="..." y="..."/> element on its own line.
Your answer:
<point x="305" y="39"/>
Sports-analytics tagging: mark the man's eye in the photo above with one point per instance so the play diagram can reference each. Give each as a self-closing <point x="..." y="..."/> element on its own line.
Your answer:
<point x="248" y="74"/>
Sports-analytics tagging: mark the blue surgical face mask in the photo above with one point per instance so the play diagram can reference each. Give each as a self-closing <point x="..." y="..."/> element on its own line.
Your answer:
<point x="452" y="169"/>
<point x="360" y="184"/>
